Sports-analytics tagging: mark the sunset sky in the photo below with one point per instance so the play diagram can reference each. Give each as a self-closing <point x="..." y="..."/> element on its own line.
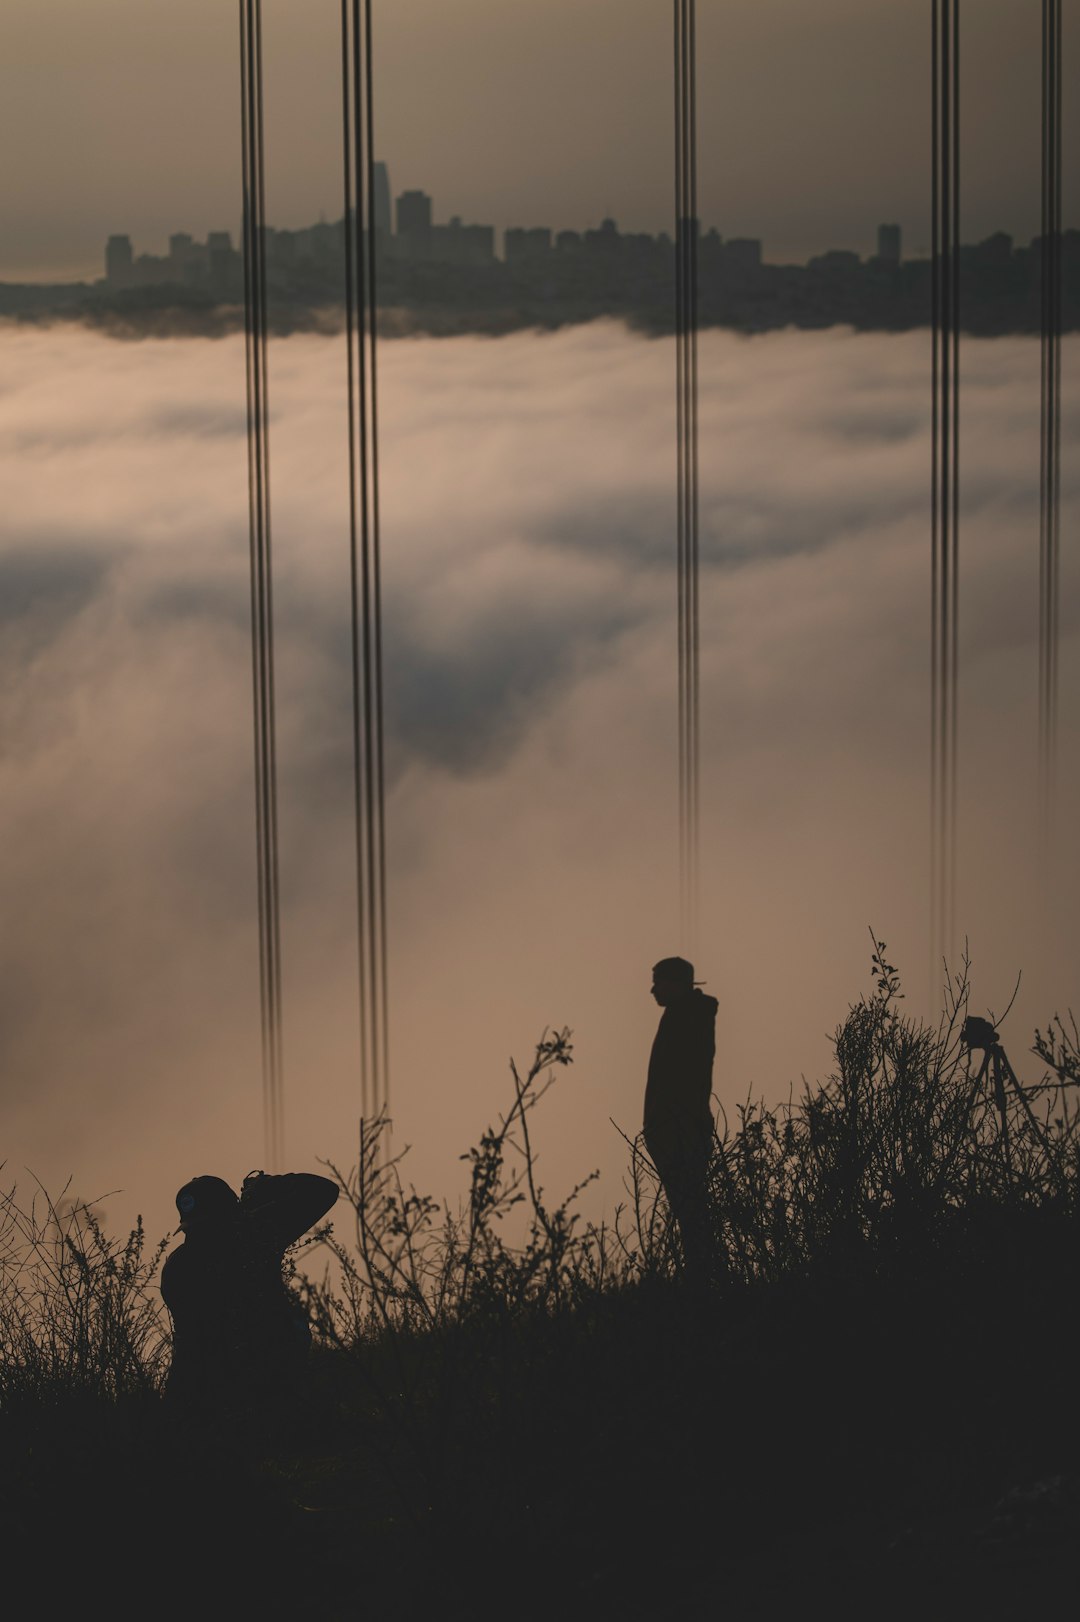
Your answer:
<point x="814" y="119"/>
<point x="528" y="487"/>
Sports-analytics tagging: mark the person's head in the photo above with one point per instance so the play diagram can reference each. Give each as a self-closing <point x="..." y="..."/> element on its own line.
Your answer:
<point x="673" y="978"/>
<point x="206" y="1203"/>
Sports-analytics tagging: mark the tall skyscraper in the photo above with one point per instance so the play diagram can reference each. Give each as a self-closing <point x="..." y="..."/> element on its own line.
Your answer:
<point x="381" y="199"/>
<point x="888" y="244"/>
<point x="119" y="260"/>
<point x="222" y="261"/>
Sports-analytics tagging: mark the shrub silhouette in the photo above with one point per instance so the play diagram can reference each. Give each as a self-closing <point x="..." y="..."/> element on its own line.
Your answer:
<point x="902" y="1153"/>
<point x="892" y="1249"/>
<point x="906" y="1153"/>
<point x="78" y="1312"/>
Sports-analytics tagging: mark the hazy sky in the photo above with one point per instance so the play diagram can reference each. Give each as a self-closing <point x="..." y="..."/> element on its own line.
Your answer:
<point x="530" y="644"/>
<point x="123" y="115"/>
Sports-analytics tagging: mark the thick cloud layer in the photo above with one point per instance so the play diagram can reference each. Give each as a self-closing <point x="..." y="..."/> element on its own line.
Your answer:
<point x="530" y="649"/>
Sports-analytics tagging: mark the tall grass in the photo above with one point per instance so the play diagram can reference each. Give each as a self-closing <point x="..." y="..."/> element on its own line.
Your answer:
<point x="502" y="1386"/>
<point x="911" y="1144"/>
<point x="905" y="1152"/>
<point x="909" y="1153"/>
<point x="79" y="1313"/>
<point x="413" y="1263"/>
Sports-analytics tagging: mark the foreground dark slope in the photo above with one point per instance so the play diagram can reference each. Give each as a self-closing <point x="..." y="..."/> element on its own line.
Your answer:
<point x="869" y="1411"/>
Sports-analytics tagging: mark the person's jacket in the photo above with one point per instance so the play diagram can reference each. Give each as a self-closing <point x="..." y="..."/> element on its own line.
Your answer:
<point x="234" y="1321"/>
<point x="679" y="1086"/>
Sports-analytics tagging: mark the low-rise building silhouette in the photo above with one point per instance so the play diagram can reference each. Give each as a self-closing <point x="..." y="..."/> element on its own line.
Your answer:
<point x="533" y="242"/>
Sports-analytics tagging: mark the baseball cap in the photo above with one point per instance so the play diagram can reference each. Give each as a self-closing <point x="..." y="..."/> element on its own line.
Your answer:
<point x="205" y="1199"/>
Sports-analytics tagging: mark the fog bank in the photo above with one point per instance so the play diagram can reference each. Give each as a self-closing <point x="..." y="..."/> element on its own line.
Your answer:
<point x="528" y="505"/>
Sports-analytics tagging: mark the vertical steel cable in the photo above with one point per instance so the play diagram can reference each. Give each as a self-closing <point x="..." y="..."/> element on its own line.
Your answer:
<point x="365" y="552"/>
<point x="1050" y="424"/>
<point x="945" y="484"/>
<point x="936" y="539"/>
<point x="262" y="607"/>
<point x="949" y="933"/>
<point x="686" y="432"/>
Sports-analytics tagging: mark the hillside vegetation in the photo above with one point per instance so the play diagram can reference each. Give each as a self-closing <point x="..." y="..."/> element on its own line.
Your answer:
<point x="867" y="1410"/>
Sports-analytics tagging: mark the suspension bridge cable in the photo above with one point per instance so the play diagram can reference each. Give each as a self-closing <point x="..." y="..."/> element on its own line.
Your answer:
<point x="945" y="467"/>
<point x="262" y="608"/>
<point x="365" y="551"/>
<point x="687" y="481"/>
<point x="1050" y="424"/>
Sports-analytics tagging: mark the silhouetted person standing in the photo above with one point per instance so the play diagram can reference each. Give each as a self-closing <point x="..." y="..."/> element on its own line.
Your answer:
<point x="240" y="1338"/>
<point x="678" y="1126"/>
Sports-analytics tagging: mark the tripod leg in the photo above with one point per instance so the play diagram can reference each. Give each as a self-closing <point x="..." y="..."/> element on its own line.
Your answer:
<point x="999" y="1098"/>
<point x="1022" y="1096"/>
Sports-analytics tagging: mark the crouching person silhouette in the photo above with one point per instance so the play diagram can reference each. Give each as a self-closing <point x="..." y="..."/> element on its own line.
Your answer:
<point x="240" y="1337"/>
<point x="678" y="1125"/>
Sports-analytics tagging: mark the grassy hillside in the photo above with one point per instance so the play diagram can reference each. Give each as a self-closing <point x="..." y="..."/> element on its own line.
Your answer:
<point x="868" y="1410"/>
